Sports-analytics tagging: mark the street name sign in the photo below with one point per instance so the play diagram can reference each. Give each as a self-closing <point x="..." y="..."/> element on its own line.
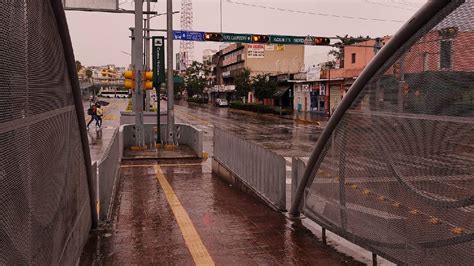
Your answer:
<point x="281" y="39"/>
<point x="158" y="60"/>
<point x="188" y="35"/>
<point x="236" y="37"/>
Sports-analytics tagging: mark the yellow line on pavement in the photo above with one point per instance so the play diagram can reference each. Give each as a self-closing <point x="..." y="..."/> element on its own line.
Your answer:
<point x="191" y="237"/>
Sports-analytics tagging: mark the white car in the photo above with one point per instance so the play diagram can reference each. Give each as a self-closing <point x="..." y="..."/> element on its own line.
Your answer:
<point x="222" y="103"/>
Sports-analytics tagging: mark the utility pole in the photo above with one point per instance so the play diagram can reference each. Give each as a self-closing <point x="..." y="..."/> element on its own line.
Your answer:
<point x="221" y="16"/>
<point x="147" y="51"/>
<point x="170" y="81"/>
<point x="132" y="46"/>
<point x="138" y="69"/>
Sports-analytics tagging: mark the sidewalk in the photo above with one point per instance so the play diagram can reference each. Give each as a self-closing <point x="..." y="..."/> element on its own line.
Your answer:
<point x="308" y="118"/>
<point x="177" y="212"/>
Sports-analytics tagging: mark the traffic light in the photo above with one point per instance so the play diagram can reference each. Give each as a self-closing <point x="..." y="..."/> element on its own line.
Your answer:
<point x="213" y="37"/>
<point x="129" y="81"/>
<point x="321" y="41"/>
<point x="148" y="80"/>
<point x="260" y="38"/>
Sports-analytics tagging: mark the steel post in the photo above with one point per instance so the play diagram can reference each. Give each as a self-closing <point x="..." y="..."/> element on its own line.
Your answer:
<point x="147" y="52"/>
<point x="132" y="38"/>
<point x="138" y="69"/>
<point x="169" y="80"/>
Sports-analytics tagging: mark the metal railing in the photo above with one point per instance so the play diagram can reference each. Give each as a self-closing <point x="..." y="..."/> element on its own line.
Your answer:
<point x="107" y="171"/>
<point x="392" y="171"/>
<point x="260" y="169"/>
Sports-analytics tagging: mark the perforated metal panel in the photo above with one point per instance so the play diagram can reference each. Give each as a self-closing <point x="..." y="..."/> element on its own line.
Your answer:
<point x="397" y="175"/>
<point x="93" y="4"/>
<point x="44" y="200"/>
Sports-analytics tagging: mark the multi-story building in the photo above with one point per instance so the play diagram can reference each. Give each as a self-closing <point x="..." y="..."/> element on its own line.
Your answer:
<point x="207" y="55"/>
<point x="258" y="59"/>
<point x="322" y="88"/>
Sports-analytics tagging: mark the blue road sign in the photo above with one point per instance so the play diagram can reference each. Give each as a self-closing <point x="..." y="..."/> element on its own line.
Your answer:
<point x="188" y="35"/>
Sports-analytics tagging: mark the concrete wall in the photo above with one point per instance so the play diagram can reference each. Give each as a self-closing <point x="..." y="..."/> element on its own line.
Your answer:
<point x="279" y="59"/>
<point x="186" y="134"/>
<point x="128" y="118"/>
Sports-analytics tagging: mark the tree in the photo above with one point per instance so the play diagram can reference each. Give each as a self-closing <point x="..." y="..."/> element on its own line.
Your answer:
<point x="264" y="87"/>
<point x="197" y="78"/>
<point x="243" y="83"/>
<point x="78" y="66"/>
<point x="89" y="73"/>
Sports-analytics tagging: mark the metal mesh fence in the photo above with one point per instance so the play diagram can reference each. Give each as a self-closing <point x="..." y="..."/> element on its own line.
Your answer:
<point x="397" y="175"/>
<point x="91" y="4"/>
<point x="44" y="201"/>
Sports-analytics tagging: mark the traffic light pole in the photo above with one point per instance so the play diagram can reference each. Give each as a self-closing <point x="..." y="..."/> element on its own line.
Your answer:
<point x="147" y="52"/>
<point x="169" y="80"/>
<point x="138" y="69"/>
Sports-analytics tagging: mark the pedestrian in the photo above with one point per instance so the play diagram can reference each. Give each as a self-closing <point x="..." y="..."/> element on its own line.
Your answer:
<point x="99" y="113"/>
<point x="93" y="113"/>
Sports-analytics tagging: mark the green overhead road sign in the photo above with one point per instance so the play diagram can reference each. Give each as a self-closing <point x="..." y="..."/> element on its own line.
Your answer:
<point x="158" y="61"/>
<point x="281" y="39"/>
<point x="235" y="37"/>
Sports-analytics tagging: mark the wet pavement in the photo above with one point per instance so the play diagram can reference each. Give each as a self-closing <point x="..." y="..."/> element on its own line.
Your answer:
<point x="99" y="138"/>
<point x="287" y="137"/>
<point x="177" y="212"/>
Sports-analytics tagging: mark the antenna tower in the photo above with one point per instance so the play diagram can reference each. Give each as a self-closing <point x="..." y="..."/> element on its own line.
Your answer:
<point x="186" y="47"/>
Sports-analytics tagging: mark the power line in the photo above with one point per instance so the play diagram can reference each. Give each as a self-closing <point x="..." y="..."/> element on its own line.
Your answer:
<point x="312" y="13"/>
<point x="389" y="5"/>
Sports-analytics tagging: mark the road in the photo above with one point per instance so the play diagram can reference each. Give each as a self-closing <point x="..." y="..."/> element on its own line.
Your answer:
<point x="285" y="137"/>
<point x="374" y="197"/>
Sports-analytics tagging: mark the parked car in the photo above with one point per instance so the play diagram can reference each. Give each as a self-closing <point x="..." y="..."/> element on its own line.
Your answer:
<point x="221" y="103"/>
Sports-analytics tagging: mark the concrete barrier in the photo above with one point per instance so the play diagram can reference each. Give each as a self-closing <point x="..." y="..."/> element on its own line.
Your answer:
<point x="128" y="118"/>
<point x="185" y="134"/>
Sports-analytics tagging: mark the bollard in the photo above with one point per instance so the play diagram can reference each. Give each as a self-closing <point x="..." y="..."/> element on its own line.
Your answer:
<point x="374" y="259"/>
<point x="324" y="236"/>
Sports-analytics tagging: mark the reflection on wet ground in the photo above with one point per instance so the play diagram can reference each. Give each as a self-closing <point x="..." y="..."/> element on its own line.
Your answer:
<point x="235" y="228"/>
<point x="283" y="136"/>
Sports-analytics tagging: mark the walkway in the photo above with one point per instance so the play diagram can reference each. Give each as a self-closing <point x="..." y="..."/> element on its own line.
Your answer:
<point x="177" y="212"/>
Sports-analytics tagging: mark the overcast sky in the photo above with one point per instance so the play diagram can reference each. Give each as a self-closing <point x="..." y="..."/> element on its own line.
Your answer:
<point x="102" y="38"/>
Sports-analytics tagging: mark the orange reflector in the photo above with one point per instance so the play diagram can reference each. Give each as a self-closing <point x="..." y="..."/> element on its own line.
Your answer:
<point x="129" y="84"/>
<point x="434" y="220"/>
<point x="396" y="205"/>
<point x="148" y="85"/>
<point x="354" y="186"/>
<point x="148" y="75"/>
<point x="413" y="211"/>
<point x="129" y="74"/>
<point x="457" y="230"/>
<point x="366" y="192"/>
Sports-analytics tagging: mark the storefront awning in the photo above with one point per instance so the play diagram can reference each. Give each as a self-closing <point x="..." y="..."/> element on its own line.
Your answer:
<point x="319" y="80"/>
<point x="281" y="90"/>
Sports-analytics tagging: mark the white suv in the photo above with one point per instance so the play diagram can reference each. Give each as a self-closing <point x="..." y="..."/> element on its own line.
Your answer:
<point x="222" y="103"/>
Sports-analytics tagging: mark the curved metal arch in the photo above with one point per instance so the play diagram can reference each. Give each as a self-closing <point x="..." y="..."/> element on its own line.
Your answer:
<point x="63" y="29"/>
<point x="402" y="38"/>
